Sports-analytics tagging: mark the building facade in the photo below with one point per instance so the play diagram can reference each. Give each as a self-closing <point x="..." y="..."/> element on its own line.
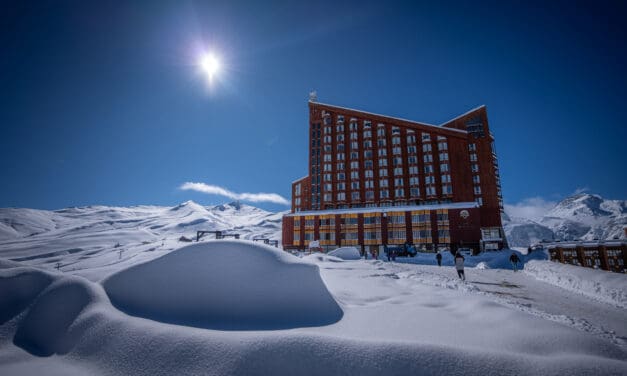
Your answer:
<point x="375" y="180"/>
<point x="610" y="255"/>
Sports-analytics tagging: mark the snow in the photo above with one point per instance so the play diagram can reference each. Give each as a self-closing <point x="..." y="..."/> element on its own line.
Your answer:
<point x="226" y="285"/>
<point x="603" y="286"/>
<point x="234" y="307"/>
<point x="346" y="253"/>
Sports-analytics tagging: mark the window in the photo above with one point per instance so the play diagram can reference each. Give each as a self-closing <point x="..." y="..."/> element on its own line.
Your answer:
<point x="340" y="137"/>
<point x="354" y="174"/>
<point x="327" y="130"/>
<point x="442" y="146"/>
<point x="429" y="180"/>
<point x="397" y="219"/>
<point x="381" y="131"/>
<point x="443" y="234"/>
<point x="411" y="139"/>
<point x="474" y="167"/>
<point x="297" y="201"/>
<point x="477" y="190"/>
<point x="413" y="170"/>
<point x="368" y="154"/>
<point x="428" y="169"/>
<point x="472" y="147"/>
<point x="327" y="197"/>
<point x="398" y="182"/>
<point x="479" y="201"/>
<point x="369" y="195"/>
<point x="341" y="196"/>
<point x="341" y="176"/>
<point x="384" y="193"/>
<point x="396" y="140"/>
<point x="367" y="134"/>
<point x="327" y="139"/>
<point x="382" y="152"/>
<point x="426" y="148"/>
<point x="383" y="183"/>
<point x="327" y="148"/>
<point x="444" y="156"/>
<point x="396" y="130"/>
<point x="355" y="196"/>
<point x="354" y="164"/>
<point x="354" y="155"/>
<point x="340" y="166"/>
<point x="383" y="172"/>
<point x="327" y="167"/>
<point x="327" y="177"/>
<point x="368" y="164"/>
<point x="354" y="145"/>
<point x="327" y="157"/>
<point x="341" y="186"/>
<point x="447" y="189"/>
<point x="353" y="126"/>
<point x="412" y="160"/>
<point x="414" y="192"/>
<point x="398" y="171"/>
<point x="368" y="184"/>
<point x="328" y="187"/>
<point x="340" y="147"/>
<point x="381" y="143"/>
<point x="446" y="178"/>
<point x="396" y="150"/>
<point x="399" y="192"/>
<point x="414" y="180"/>
<point x="368" y="144"/>
<point x="340" y="156"/>
<point x="411" y="150"/>
<point x="368" y="173"/>
<point x="475" y="179"/>
<point x="426" y="137"/>
<point x="444" y="167"/>
<point x="383" y="162"/>
<point x="473" y="157"/>
<point x="297" y="190"/>
<point x="430" y="191"/>
<point x="427" y="158"/>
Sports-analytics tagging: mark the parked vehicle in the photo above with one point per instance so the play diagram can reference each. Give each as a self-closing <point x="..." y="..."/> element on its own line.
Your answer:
<point x="402" y="250"/>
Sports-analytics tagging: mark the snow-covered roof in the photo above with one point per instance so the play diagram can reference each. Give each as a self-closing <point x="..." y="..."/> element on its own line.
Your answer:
<point x="462" y="115"/>
<point x="586" y="243"/>
<point x="387" y="209"/>
<point x="392" y="117"/>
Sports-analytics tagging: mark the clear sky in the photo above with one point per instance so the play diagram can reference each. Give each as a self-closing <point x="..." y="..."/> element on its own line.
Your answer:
<point x="104" y="102"/>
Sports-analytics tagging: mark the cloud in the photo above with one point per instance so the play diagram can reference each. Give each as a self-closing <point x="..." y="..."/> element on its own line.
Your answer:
<point x="581" y="190"/>
<point x="251" y="197"/>
<point x="530" y="208"/>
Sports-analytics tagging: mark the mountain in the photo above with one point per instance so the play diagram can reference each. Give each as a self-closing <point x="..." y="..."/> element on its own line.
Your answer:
<point x="582" y="216"/>
<point x="47" y="237"/>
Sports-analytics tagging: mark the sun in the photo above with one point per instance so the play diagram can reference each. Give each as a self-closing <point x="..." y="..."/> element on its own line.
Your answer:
<point x="210" y="64"/>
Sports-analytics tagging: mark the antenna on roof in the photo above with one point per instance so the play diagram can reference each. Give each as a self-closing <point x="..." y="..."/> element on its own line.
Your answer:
<point x="313" y="96"/>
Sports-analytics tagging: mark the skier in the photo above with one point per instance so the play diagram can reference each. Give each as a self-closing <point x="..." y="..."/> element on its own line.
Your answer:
<point x="514" y="260"/>
<point x="459" y="265"/>
<point x="438" y="257"/>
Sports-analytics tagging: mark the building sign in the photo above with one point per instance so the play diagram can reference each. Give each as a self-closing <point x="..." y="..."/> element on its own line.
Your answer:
<point x="464" y="214"/>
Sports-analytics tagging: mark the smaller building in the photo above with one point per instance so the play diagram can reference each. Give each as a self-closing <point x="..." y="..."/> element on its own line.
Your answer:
<point x="608" y="255"/>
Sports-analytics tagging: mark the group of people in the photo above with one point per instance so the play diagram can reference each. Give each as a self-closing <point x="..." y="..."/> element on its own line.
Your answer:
<point x="459" y="263"/>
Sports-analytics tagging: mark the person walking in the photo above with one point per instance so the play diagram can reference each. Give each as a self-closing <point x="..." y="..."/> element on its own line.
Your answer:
<point x="459" y="266"/>
<point x="438" y="257"/>
<point x="514" y="259"/>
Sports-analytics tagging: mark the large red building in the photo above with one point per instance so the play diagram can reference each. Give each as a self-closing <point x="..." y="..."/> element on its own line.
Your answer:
<point x="376" y="180"/>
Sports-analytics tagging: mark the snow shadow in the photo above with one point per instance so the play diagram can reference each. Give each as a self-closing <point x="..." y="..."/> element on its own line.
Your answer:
<point x="226" y="285"/>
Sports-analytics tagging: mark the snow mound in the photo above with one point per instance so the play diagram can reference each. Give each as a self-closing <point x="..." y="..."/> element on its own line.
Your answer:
<point x="599" y="285"/>
<point x="226" y="285"/>
<point x="346" y="253"/>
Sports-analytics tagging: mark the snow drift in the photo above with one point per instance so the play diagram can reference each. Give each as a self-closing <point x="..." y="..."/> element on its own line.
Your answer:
<point x="346" y="253"/>
<point x="227" y="285"/>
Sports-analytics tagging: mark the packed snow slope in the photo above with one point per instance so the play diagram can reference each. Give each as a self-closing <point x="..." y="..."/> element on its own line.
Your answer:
<point x="398" y="319"/>
<point x="583" y="216"/>
<point x="226" y="285"/>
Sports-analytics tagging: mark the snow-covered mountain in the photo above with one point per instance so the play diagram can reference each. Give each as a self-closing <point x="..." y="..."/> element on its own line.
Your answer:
<point x="582" y="216"/>
<point x="93" y="232"/>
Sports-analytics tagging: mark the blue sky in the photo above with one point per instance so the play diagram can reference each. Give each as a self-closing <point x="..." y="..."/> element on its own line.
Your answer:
<point x="105" y="103"/>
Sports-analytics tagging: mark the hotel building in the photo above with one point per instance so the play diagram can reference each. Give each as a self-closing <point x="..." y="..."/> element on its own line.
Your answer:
<point x="376" y="180"/>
